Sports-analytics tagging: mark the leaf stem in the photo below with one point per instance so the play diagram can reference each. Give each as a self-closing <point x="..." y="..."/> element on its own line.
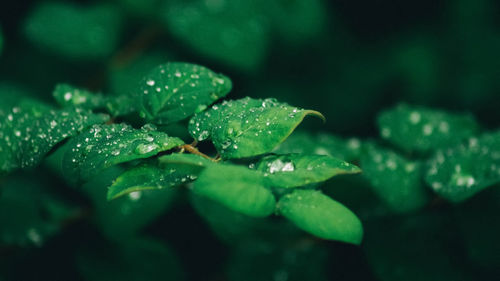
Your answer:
<point x="191" y="149"/>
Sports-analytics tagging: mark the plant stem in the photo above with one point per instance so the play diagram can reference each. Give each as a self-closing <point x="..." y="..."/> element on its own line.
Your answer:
<point x="191" y="149"/>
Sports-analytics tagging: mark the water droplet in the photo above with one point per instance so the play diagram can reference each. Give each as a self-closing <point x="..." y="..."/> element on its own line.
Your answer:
<point x="145" y="148"/>
<point x="280" y="166"/>
<point x="415" y="117"/>
<point x="134" y="196"/>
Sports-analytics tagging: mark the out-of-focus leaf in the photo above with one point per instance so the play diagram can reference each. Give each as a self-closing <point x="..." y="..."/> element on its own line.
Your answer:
<point x="138" y="259"/>
<point x="396" y="180"/>
<point x="30" y="130"/>
<point x="294" y="170"/>
<point x="29" y="215"/>
<point x="421" y="129"/>
<point x="321" y="216"/>
<point x="237" y="188"/>
<point x="302" y="260"/>
<point x="321" y="144"/>
<point x="232" y="32"/>
<point x="74" y="31"/>
<point x="234" y="228"/>
<point x="123" y="77"/>
<point x="124" y="217"/>
<point x="247" y="127"/>
<point x="459" y="173"/>
<point x="309" y="18"/>
<point x="395" y="249"/>
<point x="175" y="91"/>
<point x="69" y="96"/>
<point x="103" y="146"/>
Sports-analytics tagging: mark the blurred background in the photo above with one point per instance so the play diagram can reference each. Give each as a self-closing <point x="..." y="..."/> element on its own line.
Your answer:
<point x="348" y="59"/>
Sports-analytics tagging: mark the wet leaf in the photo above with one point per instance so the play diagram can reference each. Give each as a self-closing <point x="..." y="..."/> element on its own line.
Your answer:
<point x="103" y="146"/>
<point x="231" y="32"/>
<point x="459" y="173"/>
<point x="294" y="170"/>
<point x="321" y="216"/>
<point x="396" y="180"/>
<point x="247" y="127"/>
<point x="74" y="31"/>
<point x="113" y="262"/>
<point x="148" y="177"/>
<point x="301" y="142"/>
<point x="168" y="171"/>
<point x="237" y="188"/>
<point x="31" y="129"/>
<point x="175" y="91"/>
<point x="422" y="129"/>
<point x="69" y="96"/>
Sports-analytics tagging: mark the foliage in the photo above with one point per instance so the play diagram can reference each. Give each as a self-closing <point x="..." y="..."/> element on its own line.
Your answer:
<point x="120" y="158"/>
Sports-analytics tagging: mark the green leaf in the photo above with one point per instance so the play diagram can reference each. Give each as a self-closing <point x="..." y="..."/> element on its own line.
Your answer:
<point x="103" y="146"/>
<point x="233" y="32"/>
<point x="123" y="76"/>
<point x="120" y="262"/>
<point x="30" y="130"/>
<point x="121" y="219"/>
<point x="421" y="129"/>
<point x="69" y="96"/>
<point x="321" y="216"/>
<point x="459" y="173"/>
<point x="74" y="31"/>
<point x="396" y="180"/>
<point x="237" y="188"/>
<point x="296" y="261"/>
<point x="147" y="177"/>
<point x="168" y="171"/>
<point x="179" y="159"/>
<point x="175" y="91"/>
<point x="29" y="214"/>
<point x="121" y="105"/>
<point x="247" y="127"/>
<point x="301" y="142"/>
<point x="294" y="170"/>
<point x="309" y="18"/>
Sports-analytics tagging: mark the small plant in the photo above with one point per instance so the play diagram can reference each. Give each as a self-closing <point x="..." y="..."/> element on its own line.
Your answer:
<point x="244" y="175"/>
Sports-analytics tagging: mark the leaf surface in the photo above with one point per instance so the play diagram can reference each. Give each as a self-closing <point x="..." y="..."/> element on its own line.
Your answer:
<point x="103" y="146"/>
<point x="294" y="170"/>
<point x="31" y="129"/>
<point x="237" y="188"/>
<point x="175" y="91"/>
<point x="247" y="127"/>
<point x="396" y="180"/>
<point x="74" y="31"/>
<point x="459" y="173"/>
<point x="321" y="216"/>
<point x="422" y="129"/>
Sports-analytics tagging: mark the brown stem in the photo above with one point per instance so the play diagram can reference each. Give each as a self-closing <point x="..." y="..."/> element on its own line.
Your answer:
<point x="191" y="149"/>
<point x="135" y="47"/>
